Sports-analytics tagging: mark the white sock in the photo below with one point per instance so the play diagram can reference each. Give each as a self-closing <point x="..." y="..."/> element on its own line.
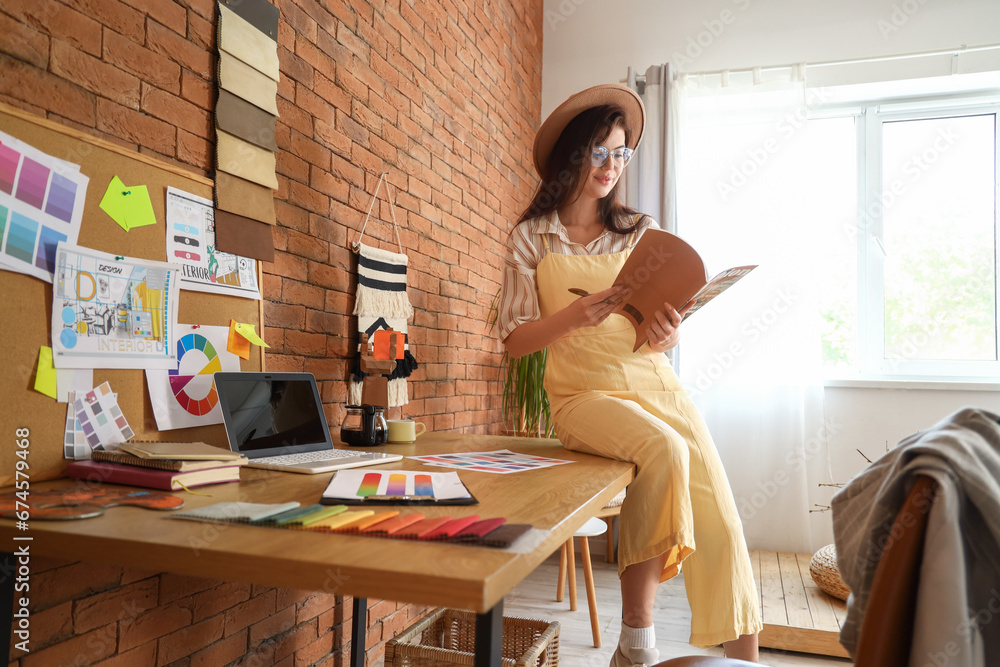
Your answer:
<point x="637" y="637"/>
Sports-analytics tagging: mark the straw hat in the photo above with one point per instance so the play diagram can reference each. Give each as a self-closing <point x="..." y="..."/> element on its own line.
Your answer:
<point x="607" y="93"/>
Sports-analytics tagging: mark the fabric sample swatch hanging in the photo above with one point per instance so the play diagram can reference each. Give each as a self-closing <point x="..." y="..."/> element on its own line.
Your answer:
<point x="382" y="304"/>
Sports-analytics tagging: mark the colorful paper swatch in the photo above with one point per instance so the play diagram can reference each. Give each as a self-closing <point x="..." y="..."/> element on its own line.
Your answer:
<point x="41" y="204"/>
<point x="101" y="419"/>
<point x="502" y="461"/>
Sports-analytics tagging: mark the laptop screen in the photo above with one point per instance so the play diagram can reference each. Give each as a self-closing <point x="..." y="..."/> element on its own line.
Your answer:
<point x="269" y="414"/>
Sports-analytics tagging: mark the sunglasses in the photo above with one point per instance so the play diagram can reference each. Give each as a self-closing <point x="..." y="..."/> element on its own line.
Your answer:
<point x="600" y="155"/>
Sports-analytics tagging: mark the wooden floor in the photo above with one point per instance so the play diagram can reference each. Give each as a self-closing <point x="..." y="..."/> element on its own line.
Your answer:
<point x="535" y="597"/>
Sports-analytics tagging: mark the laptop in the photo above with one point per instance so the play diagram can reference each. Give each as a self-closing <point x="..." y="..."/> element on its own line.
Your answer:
<point x="277" y="421"/>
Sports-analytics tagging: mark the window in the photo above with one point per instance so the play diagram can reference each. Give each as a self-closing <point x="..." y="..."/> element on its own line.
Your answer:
<point x="882" y="215"/>
<point x="927" y="245"/>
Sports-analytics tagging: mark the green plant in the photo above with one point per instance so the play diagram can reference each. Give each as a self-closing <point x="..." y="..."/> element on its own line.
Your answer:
<point x="525" y="403"/>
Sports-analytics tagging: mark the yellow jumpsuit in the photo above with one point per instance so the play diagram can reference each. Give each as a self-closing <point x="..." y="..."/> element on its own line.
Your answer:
<point x="607" y="400"/>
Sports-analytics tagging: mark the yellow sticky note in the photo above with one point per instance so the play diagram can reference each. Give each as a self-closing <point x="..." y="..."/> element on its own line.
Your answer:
<point x="45" y="376"/>
<point x="237" y="344"/>
<point x="248" y="331"/>
<point x="113" y="202"/>
<point x="137" y="206"/>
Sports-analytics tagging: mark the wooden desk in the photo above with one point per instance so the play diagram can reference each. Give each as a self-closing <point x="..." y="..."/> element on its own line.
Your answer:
<point x="556" y="500"/>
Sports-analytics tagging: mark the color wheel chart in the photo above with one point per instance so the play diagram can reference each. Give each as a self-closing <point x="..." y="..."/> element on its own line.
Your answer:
<point x="191" y="382"/>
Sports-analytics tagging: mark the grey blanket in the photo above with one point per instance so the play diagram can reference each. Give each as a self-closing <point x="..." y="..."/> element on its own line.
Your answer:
<point x="958" y="602"/>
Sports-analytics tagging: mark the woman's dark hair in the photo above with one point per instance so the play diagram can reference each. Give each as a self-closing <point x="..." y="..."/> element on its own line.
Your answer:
<point x="569" y="160"/>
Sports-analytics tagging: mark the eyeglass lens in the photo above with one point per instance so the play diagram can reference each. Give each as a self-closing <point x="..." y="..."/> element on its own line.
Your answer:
<point x="620" y="156"/>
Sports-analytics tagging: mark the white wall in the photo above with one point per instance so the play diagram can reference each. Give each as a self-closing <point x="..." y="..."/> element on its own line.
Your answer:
<point x="595" y="41"/>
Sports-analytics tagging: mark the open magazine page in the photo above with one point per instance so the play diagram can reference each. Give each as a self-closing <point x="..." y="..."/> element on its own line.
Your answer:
<point x="717" y="286"/>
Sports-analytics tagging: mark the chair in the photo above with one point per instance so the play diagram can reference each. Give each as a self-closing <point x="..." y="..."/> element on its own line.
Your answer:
<point x="887" y="629"/>
<point x="567" y="565"/>
<point x="609" y="512"/>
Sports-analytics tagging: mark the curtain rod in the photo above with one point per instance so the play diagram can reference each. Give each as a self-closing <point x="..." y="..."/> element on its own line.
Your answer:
<point x="641" y="78"/>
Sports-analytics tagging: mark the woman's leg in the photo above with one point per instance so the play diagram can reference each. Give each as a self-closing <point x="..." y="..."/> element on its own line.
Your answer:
<point x="639" y="583"/>
<point x="743" y="648"/>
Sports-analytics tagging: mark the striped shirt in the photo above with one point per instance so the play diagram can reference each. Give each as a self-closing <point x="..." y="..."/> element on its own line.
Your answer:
<point x="519" y="294"/>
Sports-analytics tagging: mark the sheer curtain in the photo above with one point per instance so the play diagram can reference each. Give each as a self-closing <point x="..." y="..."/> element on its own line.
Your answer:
<point x="746" y="194"/>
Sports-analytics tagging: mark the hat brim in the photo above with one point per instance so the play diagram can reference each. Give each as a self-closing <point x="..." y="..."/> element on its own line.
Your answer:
<point x="604" y="94"/>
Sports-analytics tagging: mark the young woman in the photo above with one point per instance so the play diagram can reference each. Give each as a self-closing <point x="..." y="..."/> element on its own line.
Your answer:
<point x="609" y="401"/>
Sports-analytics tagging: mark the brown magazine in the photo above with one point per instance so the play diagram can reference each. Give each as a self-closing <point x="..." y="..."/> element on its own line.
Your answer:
<point x="664" y="268"/>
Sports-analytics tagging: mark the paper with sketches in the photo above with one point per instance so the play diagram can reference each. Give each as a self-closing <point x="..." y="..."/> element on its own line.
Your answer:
<point x="113" y="312"/>
<point x="186" y="396"/>
<point x="41" y="204"/>
<point x="190" y="233"/>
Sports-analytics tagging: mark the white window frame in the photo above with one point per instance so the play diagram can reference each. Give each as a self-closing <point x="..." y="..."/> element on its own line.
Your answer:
<point x="871" y="293"/>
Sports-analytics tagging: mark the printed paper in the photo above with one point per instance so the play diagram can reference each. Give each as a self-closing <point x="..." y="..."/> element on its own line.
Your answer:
<point x="186" y="396"/>
<point x="41" y="204"/>
<point x="190" y="231"/>
<point x="113" y="312"/>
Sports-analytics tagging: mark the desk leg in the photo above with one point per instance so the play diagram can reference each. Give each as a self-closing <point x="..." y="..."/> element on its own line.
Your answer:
<point x="489" y="637"/>
<point x="7" y="569"/>
<point x="359" y="629"/>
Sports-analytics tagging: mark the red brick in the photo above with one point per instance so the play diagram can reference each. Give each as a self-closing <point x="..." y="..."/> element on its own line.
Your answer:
<point x="172" y="15"/>
<point x="71" y="582"/>
<point x="218" y="599"/>
<point x="189" y="640"/>
<point x="51" y="625"/>
<point x="135" y="127"/>
<point x="195" y="150"/>
<point x="177" y="111"/>
<point x="170" y="45"/>
<point x="338" y="142"/>
<point x="57" y="20"/>
<point x="176" y="586"/>
<point x="147" y="628"/>
<point x="305" y="148"/>
<point x="221" y="652"/>
<point x="24" y="43"/>
<point x="94" y="75"/>
<point x="127" y="55"/>
<point x="310" y="654"/>
<point x="284" y="315"/>
<point x="201" y="32"/>
<point x="308" y="344"/>
<point x="275" y="624"/>
<point x="328" y="276"/>
<point x="86" y="648"/>
<point x="119" y="604"/>
<point x="197" y="90"/>
<point x="115" y="15"/>
<point x="247" y="613"/>
<point x="310" y="296"/>
<point x="138" y="657"/>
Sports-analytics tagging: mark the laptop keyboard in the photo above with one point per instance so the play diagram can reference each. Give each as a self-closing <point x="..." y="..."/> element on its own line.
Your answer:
<point x="307" y="457"/>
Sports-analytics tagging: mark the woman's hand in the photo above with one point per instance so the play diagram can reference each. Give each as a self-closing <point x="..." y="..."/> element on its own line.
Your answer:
<point x="664" y="330"/>
<point x="591" y="310"/>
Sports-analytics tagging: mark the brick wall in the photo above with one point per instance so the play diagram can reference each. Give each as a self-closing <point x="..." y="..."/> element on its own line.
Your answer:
<point x="445" y="97"/>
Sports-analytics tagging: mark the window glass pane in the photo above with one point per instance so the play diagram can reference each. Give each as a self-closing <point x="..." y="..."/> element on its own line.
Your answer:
<point x="938" y="199"/>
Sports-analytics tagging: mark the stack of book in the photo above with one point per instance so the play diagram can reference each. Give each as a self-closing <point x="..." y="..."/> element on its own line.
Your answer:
<point x="160" y="465"/>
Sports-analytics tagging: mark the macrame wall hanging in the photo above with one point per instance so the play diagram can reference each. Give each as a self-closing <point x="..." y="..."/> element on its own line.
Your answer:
<point x="382" y="305"/>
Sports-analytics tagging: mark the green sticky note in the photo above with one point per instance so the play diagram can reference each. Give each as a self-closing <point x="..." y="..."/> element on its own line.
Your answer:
<point x="138" y="207"/>
<point x="113" y="202"/>
<point x="249" y="332"/>
<point x="45" y="376"/>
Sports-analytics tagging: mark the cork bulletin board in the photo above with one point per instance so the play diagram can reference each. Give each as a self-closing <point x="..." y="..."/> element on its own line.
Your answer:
<point x="25" y="322"/>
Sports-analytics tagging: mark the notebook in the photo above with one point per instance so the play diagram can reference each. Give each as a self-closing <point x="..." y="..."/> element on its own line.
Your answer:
<point x="276" y="420"/>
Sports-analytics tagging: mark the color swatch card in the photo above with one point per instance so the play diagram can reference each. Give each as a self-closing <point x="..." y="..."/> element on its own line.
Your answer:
<point x="101" y="419"/>
<point x="113" y="312"/>
<point x="502" y="461"/>
<point x="191" y="245"/>
<point x="186" y="396"/>
<point x="401" y="485"/>
<point x="41" y="204"/>
<point x="74" y="439"/>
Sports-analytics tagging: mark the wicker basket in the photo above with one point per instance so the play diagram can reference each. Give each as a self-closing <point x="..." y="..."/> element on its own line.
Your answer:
<point x="823" y="568"/>
<point x="447" y="637"/>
